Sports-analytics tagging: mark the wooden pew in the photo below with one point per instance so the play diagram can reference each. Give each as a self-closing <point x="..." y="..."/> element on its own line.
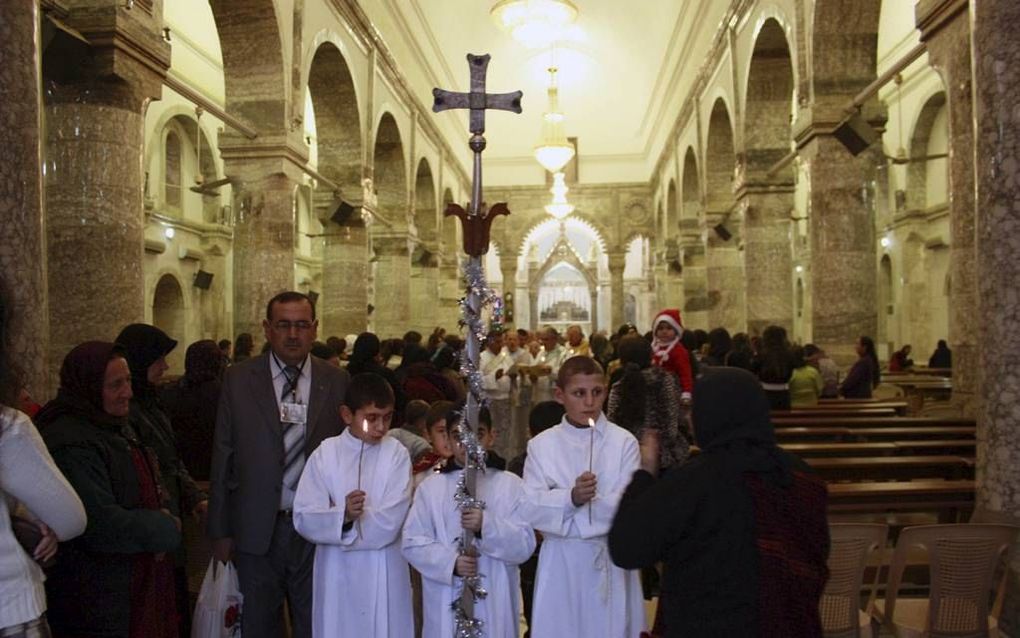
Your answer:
<point x="828" y="448"/>
<point x="945" y="446"/>
<point x="950" y="499"/>
<point x="893" y="467"/>
<point x="870" y="422"/>
<point x="834" y="413"/>
<point x="850" y="435"/>
<point x="900" y="407"/>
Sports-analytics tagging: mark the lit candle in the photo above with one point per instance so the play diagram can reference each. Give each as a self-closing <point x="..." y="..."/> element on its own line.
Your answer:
<point x="591" y="455"/>
<point x="361" y="454"/>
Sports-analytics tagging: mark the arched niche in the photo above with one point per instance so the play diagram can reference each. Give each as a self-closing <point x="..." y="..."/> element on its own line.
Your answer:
<point x="769" y="95"/>
<point x="188" y="162"/>
<point x="719" y="158"/>
<point x="691" y="191"/>
<point x="425" y="215"/>
<point x="672" y="212"/>
<point x="169" y="315"/>
<point x="928" y="170"/>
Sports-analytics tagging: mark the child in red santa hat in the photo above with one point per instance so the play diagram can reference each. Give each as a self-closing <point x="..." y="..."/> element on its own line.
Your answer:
<point x="669" y="353"/>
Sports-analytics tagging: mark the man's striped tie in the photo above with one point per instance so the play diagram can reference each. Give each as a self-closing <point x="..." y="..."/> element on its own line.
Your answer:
<point x="293" y="435"/>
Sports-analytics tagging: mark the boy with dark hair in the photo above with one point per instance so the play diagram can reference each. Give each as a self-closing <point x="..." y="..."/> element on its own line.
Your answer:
<point x="351" y="502"/>
<point x="574" y="477"/>
<point x="487" y="437"/>
<point x="436" y="419"/>
<point x="409" y="433"/>
<point x="503" y="540"/>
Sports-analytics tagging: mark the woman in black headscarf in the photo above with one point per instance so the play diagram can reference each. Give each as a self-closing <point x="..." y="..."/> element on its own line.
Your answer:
<point x="191" y="404"/>
<point x="113" y="580"/>
<point x="741" y="527"/>
<point x="146" y="348"/>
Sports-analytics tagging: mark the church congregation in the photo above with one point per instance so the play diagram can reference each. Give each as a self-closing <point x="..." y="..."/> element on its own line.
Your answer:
<point x="751" y="370"/>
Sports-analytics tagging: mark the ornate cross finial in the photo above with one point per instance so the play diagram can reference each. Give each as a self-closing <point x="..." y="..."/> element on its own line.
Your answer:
<point x="477" y="100"/>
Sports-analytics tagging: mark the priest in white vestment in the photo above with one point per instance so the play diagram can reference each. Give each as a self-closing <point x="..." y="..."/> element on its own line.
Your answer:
<point x="361" y="583"/>
<point x="506" y="540"/>
<point x="578" y="590"/>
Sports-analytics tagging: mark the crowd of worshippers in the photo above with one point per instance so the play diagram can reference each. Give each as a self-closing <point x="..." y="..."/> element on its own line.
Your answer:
<point x="332" y="470"/>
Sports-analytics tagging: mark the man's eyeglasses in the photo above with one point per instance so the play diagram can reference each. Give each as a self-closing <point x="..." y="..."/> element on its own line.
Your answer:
<point x="285" y="326"/>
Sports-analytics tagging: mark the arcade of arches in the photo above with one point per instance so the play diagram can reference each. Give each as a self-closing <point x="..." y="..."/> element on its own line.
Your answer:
<point x="276" y="144"/>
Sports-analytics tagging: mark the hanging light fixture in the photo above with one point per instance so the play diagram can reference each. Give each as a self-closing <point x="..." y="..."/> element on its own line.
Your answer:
<point x="559" y="207"/>
<point x="534" y="23"/>
<point x="553" y="150"/>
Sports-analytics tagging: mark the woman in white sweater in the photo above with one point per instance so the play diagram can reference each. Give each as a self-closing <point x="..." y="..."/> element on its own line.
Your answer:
<point x="28" y="476"/>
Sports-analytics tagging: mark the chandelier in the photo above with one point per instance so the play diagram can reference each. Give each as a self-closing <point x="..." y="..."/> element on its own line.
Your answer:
<point x="534" y="23"/>
<point x="559" y="207"/>
<point x="553" y="150"/>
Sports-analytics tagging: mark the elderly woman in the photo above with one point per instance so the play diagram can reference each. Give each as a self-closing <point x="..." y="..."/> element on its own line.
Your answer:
<point x="741" y="527"/>
<point x="115" y="579"/>
<point x="191" y="404"/>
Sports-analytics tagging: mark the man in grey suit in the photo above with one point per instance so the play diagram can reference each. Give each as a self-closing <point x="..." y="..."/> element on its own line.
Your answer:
<point x="274" y="411"/>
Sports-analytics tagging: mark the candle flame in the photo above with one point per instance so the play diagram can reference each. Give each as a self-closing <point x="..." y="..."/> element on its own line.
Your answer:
<point x="364" y="425"/>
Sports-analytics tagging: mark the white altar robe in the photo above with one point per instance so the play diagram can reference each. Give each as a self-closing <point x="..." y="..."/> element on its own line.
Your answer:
<point x="430" y="545"/>
<point x="578" y="590"/>
<point x="361" y="584"/>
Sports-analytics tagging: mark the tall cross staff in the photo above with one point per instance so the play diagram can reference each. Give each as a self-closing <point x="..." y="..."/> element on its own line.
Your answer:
<point x="475" y="224"/>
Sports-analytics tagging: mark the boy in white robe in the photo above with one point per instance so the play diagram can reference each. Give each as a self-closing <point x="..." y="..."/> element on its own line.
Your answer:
<point x="578" y="590"/>
<point x="351" y="502"/>
<point x="503" y="540"/>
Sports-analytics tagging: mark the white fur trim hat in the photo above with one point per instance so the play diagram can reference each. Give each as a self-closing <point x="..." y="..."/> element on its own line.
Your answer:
<point x="670" y="316"/>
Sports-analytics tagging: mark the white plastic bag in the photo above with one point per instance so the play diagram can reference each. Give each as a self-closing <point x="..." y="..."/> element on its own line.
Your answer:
<point x="219" y="606"/>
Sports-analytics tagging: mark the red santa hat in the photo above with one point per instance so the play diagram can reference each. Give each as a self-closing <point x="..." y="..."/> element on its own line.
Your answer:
<point x="670" y="316"/>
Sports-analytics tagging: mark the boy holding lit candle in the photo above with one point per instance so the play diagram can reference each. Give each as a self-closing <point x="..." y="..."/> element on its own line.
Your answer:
<point x="578" y="590"/>
<point x="351" y="502"/>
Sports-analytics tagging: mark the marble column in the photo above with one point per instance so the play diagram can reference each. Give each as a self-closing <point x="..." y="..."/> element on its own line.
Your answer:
<point x="996" y="56"/>
<point x="669" y="282"/>
<point x="842" y="235"/>
<point x="533" y="310"/>
<point x="593" y="299"/>
<point x="263" y="237"/>
<point x="424" y="291"/>
<point x="617" y="261"/>
<point x="695" y="282"/>
<point x="768" y="260"/>
<point x="392" y="297"/>
<point x="945" y="29"/>
<point x="724" y="273"/>
<point x="23" y="249"/>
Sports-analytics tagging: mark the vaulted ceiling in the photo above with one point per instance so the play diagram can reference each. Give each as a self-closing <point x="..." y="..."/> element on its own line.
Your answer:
<point x="624" y="68"/>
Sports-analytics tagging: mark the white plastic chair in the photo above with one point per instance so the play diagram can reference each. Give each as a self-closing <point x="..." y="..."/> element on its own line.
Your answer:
<point x="963" y="559"/>
<point x="852" y="544"/>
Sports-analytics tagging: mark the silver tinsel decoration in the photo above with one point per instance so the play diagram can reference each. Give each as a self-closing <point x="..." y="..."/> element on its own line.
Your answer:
<point x="474" y="276"/>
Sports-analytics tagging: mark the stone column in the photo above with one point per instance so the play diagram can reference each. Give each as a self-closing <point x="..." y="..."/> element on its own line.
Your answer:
<point x="617" y="261"/>
<point x="94" y="180"/>
<point x="842" y="231"/>
<point x="724" y="273"/>
<point x="945" y="29"/>
<point x="533" y="310"/>
<point x="593" y="296"/>
<point x="451" y="289"/>
<point x="392" y="297"/>
<point x="344" y="306"/>
<point x="263" y="233"/>
<point x="508" y="269"/>
<point x="768" y="261"/>
<point x="670" y="291"/>
<point x="695" y="281"/>
<point x="996" y="55"/>
<point x="424" y="290"/>
<point x="23" y="249"/>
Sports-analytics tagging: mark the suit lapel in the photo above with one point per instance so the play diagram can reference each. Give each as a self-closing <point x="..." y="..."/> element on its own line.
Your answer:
<point x="265" y="394"/>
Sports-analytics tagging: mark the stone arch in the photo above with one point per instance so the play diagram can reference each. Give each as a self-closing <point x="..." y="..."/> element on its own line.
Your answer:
<point x="425" y="215"/>
<point x="449" y="224"/>
<point x="253" y="71"/>
<point x="390" y="172"/>
<point x="925" y="141"/>
<point x="539" y="224"/>
<point x="337" y="118"/>
<point x="885" y="298"/>
<point x="769" y="99"/>
<point x="719" y="158"/>
<point x="170" y="316"/>
<point x="844" y="46"/>
<point x="195" y="164"/>
<point x="672" y="212"/>
<point x="690" y="209"/>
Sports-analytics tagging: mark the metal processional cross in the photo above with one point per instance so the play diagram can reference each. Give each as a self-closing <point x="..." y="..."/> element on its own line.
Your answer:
<point x="475" y="224"/>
